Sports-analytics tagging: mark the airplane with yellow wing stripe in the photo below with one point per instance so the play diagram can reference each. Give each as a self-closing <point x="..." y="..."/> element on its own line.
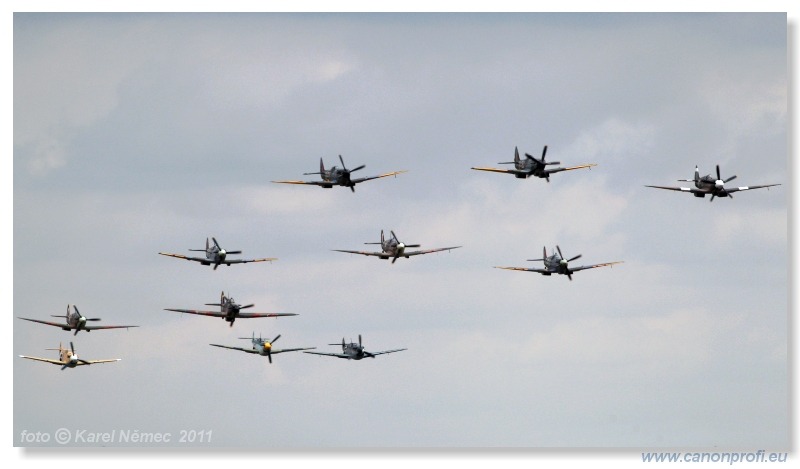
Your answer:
<point x="530" y="166"/>
<point x="216" y="255"/>
<point x="558" y="264"/>
<point x="338" y="176"/>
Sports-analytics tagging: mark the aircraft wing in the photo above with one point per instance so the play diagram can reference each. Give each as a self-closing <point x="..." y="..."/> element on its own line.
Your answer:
<point x="181" y="256"/>
<point x="241" y="349"/>
<point x="92" y="328"/>
<point x="393" y="173"/>
<point x="747" y="188"/>
<point x="365" y="253"/>
<point x="558" y="170"/>
<point x="273" y="351"/>
<point x="386" y="351"/>
<point x="62" y="325"/>
<point x="498" y="170"/>
<point x="693" y="190"/>
<point x="427" y="251"/>
<point x="338" y="355"/>
<point x="584" y="267"/>
<point x="263" y="315"/>
<point x="527" y="269"/>
<point x="245" y="261"/>
<point x="216" y="314"/>
<point x="92" y="362"/>
<point x="312" y="183"/>
<point x="54" y="362"/>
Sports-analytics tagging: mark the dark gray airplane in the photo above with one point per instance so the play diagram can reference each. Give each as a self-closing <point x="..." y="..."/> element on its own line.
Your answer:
<point x="709" y="185"/>
<point x="338" y="176"/>
<point x="262" y="347"/>
<point x="229" y="310"/>
<point x="216" y="255"/>
<point x="67" y="358"/>
<point x="557" y="264"/>
<point x="75" y="320"/>
<point x="530" y="166"/>
<point x="353" y="351"/>
<point x="393" y="248"/>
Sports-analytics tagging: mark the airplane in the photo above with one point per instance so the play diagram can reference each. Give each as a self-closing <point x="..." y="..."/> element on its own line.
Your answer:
<point x="75" y="320"/>
<point x="530" y="166"/>
<point x="262" y="347"/>
<point x="67" y="358"/>
<point x="338" y="176"/>
<point x="393" y="248"/>
<point x="708" y="185"/>
<point x="229" y="310"/>
<point x="557" y="264"/>
<point x="353" y="351"/>
<point x="216" y="255"/>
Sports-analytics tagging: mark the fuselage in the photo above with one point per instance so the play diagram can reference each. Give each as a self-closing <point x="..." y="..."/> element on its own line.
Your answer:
<point x="531" y="167"/>
<point x="262" y="347"/>
<point x="68" y="358"/>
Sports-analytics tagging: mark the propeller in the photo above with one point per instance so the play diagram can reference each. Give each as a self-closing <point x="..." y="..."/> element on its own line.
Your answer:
<point x="719" y="186"/>
<point x="75" y="356"/>
<point x="269" y="348"/>
<point x="565" y="262"/>
<point x="542" y="162"/>
<point x="351" y="170"/>
<point x="401" y="246"/>
<point x="346" y="173"/>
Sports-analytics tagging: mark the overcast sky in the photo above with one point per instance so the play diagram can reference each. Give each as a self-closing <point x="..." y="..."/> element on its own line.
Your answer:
<point x="141" y="133"/>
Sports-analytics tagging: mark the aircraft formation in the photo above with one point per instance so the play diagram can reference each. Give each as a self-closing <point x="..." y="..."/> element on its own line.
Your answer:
<point x="391" y="248"/>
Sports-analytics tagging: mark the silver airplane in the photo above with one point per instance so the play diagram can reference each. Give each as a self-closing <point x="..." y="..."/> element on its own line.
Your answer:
<point x="67" y="358"/>
<point x="393" y="248"/>
<point x="353" y="351"/>
<point x="262" y="347"/>
<point x="229" y="310"/>
<point x="338" y="176"/>
<point x="530" y="166"/>
<point x="75" y="320"/>
<point x="216" y="255"/>
<point x="557" y="264"/>
<point x="709" y="185"/>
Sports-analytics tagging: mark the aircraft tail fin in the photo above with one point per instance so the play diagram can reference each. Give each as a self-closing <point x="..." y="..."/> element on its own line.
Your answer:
<point x="696" y="176"/>
<point x="64" y="316"/>
<point x="201" y="250"/>
<point x="516" y="158"/>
